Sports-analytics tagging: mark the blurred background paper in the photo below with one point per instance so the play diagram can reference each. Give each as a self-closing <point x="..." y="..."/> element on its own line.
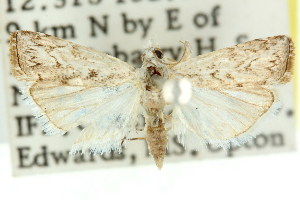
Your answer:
<point x="121" y="28"/>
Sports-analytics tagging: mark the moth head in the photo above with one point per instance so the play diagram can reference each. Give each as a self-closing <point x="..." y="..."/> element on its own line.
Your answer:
<point x="153" y="55"/>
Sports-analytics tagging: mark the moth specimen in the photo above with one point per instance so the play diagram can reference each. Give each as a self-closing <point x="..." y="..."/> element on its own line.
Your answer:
<point x="232" y="91"/>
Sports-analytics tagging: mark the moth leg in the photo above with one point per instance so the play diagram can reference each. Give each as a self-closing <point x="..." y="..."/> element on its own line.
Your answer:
<point x="167" y="118"/>
<point x="138" y="138"/>
<point x="167" y="129"/>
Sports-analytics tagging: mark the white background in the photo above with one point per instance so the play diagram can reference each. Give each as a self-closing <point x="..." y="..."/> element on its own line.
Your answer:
<point x="257" y="177"/>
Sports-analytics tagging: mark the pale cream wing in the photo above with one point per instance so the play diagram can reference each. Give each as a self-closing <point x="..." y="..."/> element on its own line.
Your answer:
<point x="37" y="56"/>
<point x="223" y="116"/>
<point x="259" y="62"/>
<point x="232" y="91"/>
<point x="108" y="114"/>
<point x="70" y="85"/>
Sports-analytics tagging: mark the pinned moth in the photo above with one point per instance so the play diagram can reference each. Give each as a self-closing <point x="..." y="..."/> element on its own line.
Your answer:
<point x="218" y="98"/>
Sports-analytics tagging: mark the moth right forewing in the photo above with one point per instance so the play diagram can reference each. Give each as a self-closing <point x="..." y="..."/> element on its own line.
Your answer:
<point x="258" y="62"/>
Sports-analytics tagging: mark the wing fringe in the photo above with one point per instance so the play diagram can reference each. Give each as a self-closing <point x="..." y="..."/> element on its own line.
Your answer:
<point x="287" y="76"/>
<point x="14" y="59"/>
<point x="45" y="123"/>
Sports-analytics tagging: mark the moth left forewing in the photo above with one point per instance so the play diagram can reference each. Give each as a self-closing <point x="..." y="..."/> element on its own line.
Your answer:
<point x="232" y="91"/>
<point x="38" y="56"/>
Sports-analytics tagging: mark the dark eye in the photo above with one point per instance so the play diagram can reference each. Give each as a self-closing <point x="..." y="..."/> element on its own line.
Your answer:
<point x="158" y="53"/>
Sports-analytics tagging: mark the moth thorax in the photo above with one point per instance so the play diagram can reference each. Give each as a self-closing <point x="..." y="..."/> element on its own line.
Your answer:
<point x="178" y="91"/>
<point x="155" y="78"/>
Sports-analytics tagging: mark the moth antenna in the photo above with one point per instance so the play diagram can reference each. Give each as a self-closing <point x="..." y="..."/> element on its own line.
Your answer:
<point x="187" y="52"/>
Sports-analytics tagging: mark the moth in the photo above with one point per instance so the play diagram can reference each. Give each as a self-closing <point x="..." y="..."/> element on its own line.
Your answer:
<point x="217" y="98"/>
